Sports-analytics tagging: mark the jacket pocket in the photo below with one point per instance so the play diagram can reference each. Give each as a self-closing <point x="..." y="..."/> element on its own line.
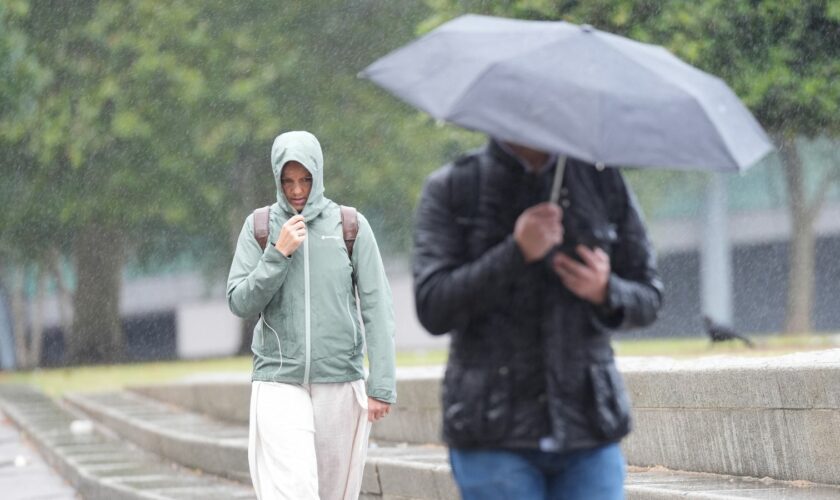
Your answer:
<point x="477" y="404"/>
<point x="275" y="340"/>
<point x="336" y="333"/>
<point x="611" y="402"/>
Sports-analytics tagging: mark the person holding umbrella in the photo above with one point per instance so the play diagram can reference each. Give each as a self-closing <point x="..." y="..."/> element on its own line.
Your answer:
<point x="311" y="408"/>
<point x="530" y="252"/>
<point x="531" y="292"/>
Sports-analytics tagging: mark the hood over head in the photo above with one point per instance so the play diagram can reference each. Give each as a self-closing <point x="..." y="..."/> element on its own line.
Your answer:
<point x="304" y="148"/>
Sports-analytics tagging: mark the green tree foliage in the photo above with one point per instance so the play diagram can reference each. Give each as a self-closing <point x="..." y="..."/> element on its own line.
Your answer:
<point x="22" y="77"/>
<point x="148" y="139"/>
<point x="783" y="59"/>
<point x="108" y="130"/>
<point x="377" y="150"/>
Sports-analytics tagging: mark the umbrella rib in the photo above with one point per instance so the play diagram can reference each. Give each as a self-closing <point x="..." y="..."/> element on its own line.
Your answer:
<point x="693" y="94"/>
<point x="494" y="64"/>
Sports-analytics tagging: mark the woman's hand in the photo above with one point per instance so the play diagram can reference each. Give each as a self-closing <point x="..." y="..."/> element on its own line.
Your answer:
<point x="377" y="409"/>
<point x="291" y="236"/>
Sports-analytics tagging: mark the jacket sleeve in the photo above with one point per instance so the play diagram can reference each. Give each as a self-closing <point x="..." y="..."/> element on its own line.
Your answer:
<point x="377" y="308"/>
<point x="448" y="287"/>
<point x="634" y="291"/>
<point x="255" y="274"/>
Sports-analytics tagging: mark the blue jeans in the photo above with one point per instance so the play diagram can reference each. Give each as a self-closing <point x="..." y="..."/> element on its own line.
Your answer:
<point x="501" y="474"/>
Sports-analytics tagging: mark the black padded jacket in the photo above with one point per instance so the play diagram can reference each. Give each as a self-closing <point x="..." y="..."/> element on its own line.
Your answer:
<point x="528" y="359"/>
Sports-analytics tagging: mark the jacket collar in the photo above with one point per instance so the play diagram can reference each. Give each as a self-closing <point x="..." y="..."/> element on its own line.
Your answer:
<point x="502" y="156"/>
<point x="509" y="159"/>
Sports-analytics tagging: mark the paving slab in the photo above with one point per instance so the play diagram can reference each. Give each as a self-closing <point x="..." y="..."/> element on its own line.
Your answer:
<point x="24" y="475"/>
<point x="660" y="483"/>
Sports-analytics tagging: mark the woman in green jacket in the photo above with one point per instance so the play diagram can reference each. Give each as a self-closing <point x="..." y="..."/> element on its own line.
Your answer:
<point x="310" y="406"/>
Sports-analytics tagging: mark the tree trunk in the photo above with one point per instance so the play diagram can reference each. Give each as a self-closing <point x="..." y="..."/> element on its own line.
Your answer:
<point x="801" y="279"/>
<point x="36" y="319"/>
<point x="801" y="258"/>
<point x="97" y="334"/>
<point x="248" y="189"/>
<point x="18" y="311"/>
<point x="63" y="296"/>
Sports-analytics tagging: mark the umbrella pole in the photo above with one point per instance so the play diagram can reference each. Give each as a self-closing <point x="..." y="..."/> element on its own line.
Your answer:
<point x="558" y="179"/>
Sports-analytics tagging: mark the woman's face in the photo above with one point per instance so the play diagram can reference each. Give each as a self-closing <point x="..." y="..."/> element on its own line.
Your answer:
<point x="296" y="182"/>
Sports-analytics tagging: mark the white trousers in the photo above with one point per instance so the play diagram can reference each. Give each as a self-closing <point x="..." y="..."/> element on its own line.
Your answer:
<point x="308" y="442"/>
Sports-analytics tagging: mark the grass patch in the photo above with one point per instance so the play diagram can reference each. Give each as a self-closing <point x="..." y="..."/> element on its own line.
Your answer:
<point x="56" y="381"/>
<point x="422" y="358"/>
<point x="692" y="347"/>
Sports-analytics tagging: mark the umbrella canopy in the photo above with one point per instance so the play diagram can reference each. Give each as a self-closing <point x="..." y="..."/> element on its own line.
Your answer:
<point x="576" y="91"/>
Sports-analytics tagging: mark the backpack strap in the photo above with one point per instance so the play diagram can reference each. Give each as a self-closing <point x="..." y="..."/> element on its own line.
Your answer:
<point x="349" y="227"/>
<point x="613" y="190"/>
<point x="261" y="226"/>
<point x="464" y="185"/>
<point x="464" y="196"/>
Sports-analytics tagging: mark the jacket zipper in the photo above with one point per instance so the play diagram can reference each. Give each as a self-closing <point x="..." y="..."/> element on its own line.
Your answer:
<point x="353" y="322"/>
<point x="307" y="309"/>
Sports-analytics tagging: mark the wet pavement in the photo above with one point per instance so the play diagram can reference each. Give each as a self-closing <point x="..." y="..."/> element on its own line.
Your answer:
<point x="23" y="473"/>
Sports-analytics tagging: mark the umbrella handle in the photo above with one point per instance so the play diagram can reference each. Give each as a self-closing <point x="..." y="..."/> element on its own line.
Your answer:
<point x="558" y="179"/>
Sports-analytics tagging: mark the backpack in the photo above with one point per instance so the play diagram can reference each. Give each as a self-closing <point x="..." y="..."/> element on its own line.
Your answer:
<point x="349" y="227"/>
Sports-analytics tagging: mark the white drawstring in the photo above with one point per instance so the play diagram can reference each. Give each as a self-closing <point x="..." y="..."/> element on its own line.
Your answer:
<point x="279" y="349"/>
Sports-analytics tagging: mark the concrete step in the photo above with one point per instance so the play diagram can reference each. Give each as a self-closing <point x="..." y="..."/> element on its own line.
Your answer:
<point x="408" y="473"/>
<point x="187" y="438"/>
<point x="415" y="418"/>
<point x="226" y="396"/>
<point x="754" y="417"/>
<point x="424" y="473"/>
<point x="98" y="464"/>
<point x="221" y="447"/>
<point x="393" y="472"/>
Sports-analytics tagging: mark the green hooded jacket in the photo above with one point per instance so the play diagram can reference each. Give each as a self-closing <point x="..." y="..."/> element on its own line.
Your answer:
<point x="309" y="329"/>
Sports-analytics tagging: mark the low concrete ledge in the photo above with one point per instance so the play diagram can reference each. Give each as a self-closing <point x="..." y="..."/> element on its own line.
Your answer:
<point x="103" y="467"/>
<point x="423" y="473"/>
<point x="223" y="396"/>
<point x="773" y="417"/>
<point x="415" y="418"/>
<point x="416" y="473"/>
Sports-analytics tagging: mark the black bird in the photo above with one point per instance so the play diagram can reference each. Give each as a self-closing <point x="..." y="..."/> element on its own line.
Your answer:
<point x="719" y="333"/>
